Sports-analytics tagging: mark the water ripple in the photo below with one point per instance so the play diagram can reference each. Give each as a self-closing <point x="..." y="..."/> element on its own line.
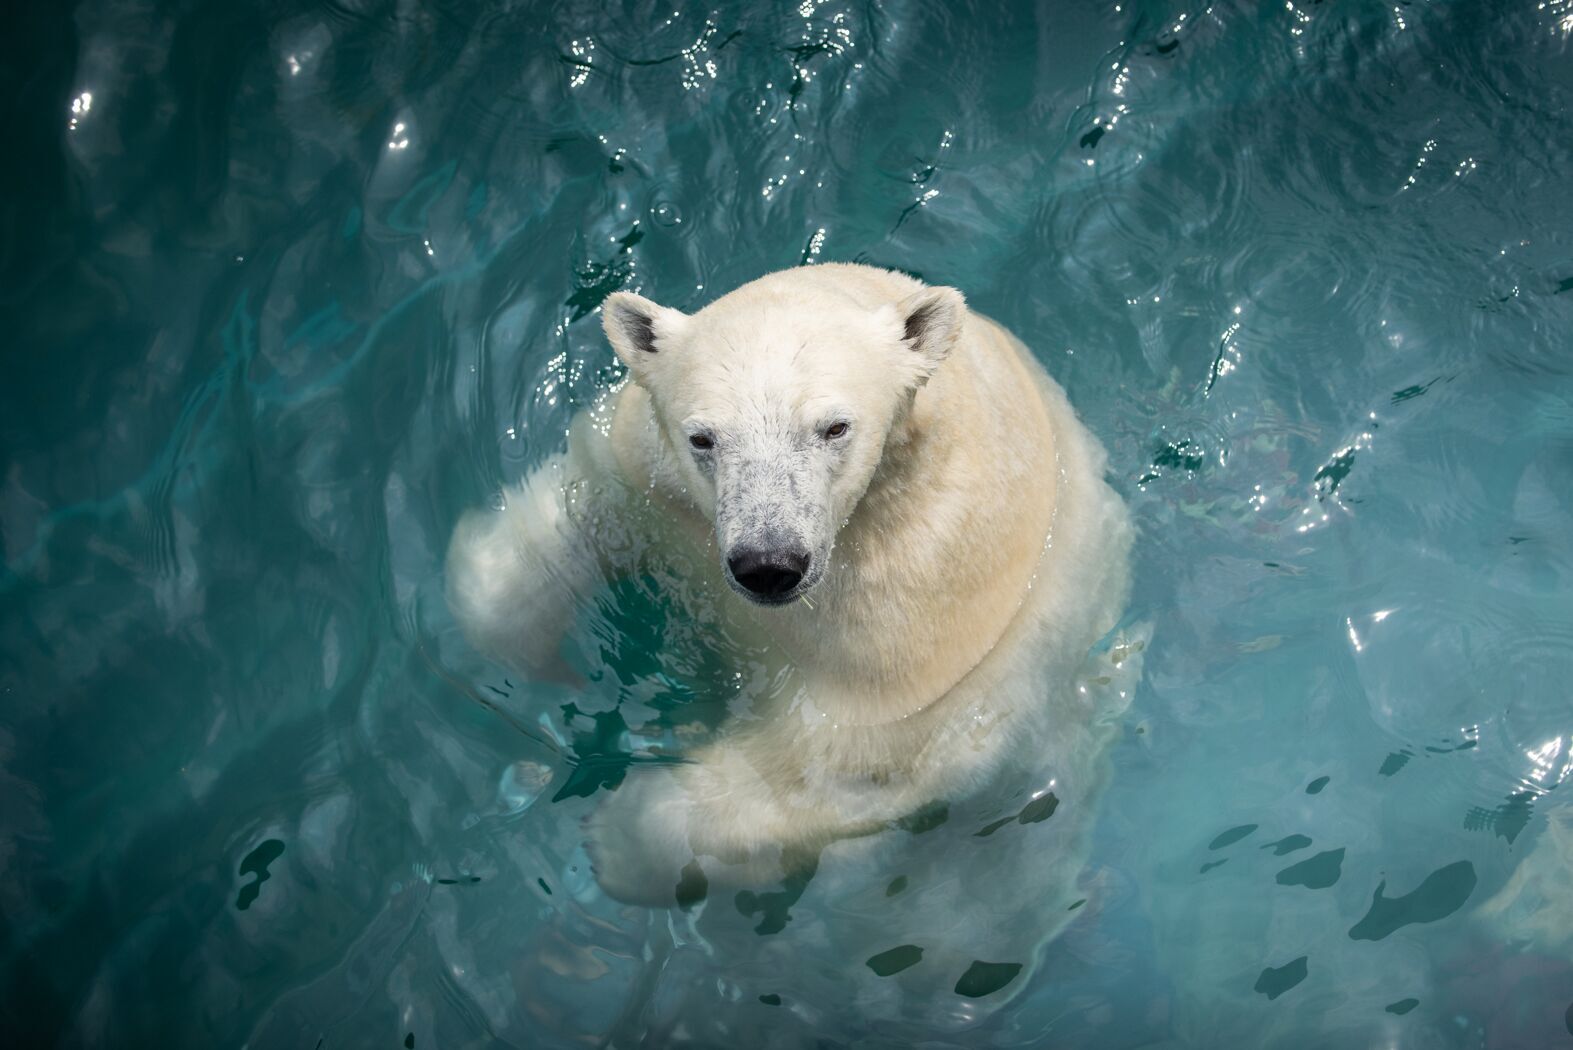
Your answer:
<point x="295" y="288"/>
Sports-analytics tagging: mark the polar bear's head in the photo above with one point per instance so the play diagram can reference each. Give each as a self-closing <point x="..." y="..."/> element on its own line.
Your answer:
<point x="775" y="403"/>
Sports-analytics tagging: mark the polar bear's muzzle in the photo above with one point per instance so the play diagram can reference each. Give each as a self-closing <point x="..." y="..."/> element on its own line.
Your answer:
<point x="770" y="517"/>
<point x="768" y="575"/>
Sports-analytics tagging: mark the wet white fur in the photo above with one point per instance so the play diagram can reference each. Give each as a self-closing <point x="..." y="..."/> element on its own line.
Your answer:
<point x="967" y="555"/>
<point x="1534" y="909"/>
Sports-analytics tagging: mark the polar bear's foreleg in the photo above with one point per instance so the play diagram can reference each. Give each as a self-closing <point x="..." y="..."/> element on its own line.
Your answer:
<point x="734" y="815"/>
<point x="516" y="576"/>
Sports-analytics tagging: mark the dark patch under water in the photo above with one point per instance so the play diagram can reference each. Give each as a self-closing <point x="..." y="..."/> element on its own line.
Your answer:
<point x="1275" y="981"/>
<point x="1230" y="837"/>
<point x="895" y="960"/>
<point x="1314" y="873"/>
<point x="1442" y="893"/>
<point x="985" y="978"/>
<point x="256" y="863"/>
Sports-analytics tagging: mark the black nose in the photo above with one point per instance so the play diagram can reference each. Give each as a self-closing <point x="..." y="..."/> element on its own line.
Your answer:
<point x="769" y="574"/>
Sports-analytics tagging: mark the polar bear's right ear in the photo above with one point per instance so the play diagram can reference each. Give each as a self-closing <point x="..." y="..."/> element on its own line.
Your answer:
<point x="639" y="329"/>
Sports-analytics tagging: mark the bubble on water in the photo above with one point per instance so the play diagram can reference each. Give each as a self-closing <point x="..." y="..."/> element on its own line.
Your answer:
<point x="578" y="878"/>
<point x="522" y="783"/>
<point x="665" y="213"/>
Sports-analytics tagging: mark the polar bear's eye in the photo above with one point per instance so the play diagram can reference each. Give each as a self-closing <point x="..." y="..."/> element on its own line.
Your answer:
<point x="701" y="441"/>
<point x="835" y="430"/>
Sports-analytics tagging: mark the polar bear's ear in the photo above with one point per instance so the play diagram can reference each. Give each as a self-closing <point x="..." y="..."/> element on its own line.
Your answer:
<point x="931" y="323"/>
<point x="638" y="328"/>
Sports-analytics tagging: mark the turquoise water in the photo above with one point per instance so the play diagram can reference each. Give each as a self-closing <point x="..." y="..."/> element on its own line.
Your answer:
<point x="289" y="287"/>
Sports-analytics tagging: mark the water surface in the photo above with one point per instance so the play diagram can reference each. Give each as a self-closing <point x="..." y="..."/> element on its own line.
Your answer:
<point x="289" y="287"/>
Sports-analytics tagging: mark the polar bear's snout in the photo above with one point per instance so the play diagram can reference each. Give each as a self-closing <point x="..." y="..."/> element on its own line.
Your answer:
<point x="771" y="519"/>
<point x="768" y="574"/>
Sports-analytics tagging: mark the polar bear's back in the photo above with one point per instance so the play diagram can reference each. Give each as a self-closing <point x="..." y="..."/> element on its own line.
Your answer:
<point x="867" y="286"/>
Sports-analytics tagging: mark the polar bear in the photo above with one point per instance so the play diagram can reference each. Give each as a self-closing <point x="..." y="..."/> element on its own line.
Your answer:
<point x="887" y="494"/>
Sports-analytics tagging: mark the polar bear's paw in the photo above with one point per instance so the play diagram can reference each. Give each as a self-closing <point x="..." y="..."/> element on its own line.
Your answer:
<point x="1533" y="909"/>
<point x="638" y="840"/>
<point x="657" y="843"/>
<point x="1113" y="669"/>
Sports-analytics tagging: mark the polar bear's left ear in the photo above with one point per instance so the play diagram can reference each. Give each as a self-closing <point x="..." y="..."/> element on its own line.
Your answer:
<point x="639" y="330"/>
<point x="931" y="324"/>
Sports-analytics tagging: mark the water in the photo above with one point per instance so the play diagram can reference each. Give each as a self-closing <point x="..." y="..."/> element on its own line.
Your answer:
<point x="289" y="289"/>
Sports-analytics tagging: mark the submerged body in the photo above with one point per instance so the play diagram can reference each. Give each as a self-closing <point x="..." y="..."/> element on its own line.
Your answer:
<point x="888" y="496"/>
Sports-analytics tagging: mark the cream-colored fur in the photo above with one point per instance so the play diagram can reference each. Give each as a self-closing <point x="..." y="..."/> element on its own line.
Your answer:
<point x="966" y="556"/>
<point x="1533" y="909"/>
